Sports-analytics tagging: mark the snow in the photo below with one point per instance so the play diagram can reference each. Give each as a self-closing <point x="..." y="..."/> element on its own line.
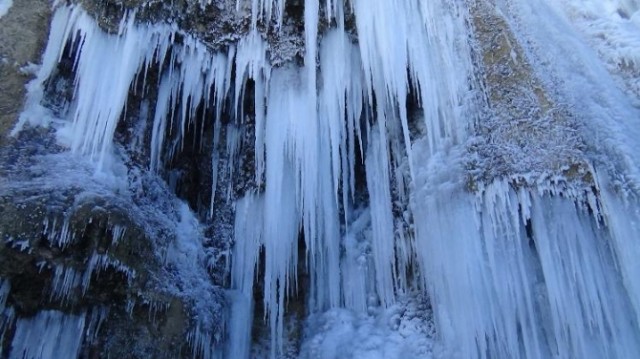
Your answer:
<point x="5" y="5"/>
<point x="400" y="331"/>
<point x="612" y="29"/>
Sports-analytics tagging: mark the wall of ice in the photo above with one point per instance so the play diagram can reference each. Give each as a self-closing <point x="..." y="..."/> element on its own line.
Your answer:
<point x="360" y="172"/>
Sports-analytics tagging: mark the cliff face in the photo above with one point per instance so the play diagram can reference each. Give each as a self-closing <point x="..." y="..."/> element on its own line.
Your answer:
<point x="306" y="179"/>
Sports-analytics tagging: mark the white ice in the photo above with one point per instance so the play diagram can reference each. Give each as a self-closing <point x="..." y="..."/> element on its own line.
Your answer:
<point x="49" y="334"/>
<point x="5" y="5"/>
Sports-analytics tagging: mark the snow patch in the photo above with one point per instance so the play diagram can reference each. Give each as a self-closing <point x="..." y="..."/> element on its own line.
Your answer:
<point x="400" y="331"/>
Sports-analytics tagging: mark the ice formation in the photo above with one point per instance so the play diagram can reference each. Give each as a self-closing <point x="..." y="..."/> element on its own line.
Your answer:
<point x="5" y="5"/>
<point x="512" y="269"/>
<point x="53" y="334"/>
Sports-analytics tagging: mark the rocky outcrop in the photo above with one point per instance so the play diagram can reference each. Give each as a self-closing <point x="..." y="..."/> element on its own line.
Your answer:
<point x="23" y="34"/>
<point x="124" y="261"/>
<point x="521" y="134"/>
<point x="71" y="245"/>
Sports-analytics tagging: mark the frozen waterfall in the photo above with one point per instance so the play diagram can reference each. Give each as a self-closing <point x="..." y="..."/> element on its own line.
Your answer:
<point x="364" y="186"/>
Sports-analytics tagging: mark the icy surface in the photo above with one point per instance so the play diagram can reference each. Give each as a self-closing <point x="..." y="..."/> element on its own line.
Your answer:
<point x="5" y="5"/>
<point x="612" y="29"/>
<point x="403" y="330"/>
<point x="573" y="65"/>
<point x="53" y="334"/>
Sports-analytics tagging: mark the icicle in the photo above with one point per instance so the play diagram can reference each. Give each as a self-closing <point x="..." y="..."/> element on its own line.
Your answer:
<point x="248" y="231"/>
<point x="7" y="319"/>
<point x="50" y="334"/>
<point x="341" y="120"/>
<point x="97" y="317"/>
<point x="202" y="344"/>
<point x="35" y="113"/>
<point x="522" y="287"/>
<point x="264" y="10"/>
<point x="5" y="288"/>
<point x="100" y="262"/>
<point x="234" y="145"/>
<point x="358" y="272"/>
<point x="215" y="159"/>
<point x="105" y="68"/>
<point x="377" y="166"/>
<point x="623" y="220"/>
<point x="281" y="215"/>
<point x="65" y="280"/>
<point x="164" y="108"/>
<point x="118" y="233"/>
<point x="60" y="237"/>
<point x="259" y="129"/>
<point x="251" y="63"/>
<point x="589" y="308"/>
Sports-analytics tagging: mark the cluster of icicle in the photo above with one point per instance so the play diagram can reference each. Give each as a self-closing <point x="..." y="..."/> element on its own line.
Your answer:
<point x="511" y="273"/>
<point x="50" y="333"/>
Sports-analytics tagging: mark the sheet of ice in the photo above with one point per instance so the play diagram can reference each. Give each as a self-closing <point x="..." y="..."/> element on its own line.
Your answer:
<point x="245" y="261"/>
<point x="622" y="216"/>
<point x="378" y="184"/>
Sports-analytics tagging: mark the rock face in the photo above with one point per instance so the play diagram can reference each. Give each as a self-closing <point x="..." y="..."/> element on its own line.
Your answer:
<point x="74" y="248"/>
<point x="217" y="23"/>
<point x="23" y="33"/>
<point x="77" y="251"/>
<point x="524" y="135"/>
<point x="105" y="257"/>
